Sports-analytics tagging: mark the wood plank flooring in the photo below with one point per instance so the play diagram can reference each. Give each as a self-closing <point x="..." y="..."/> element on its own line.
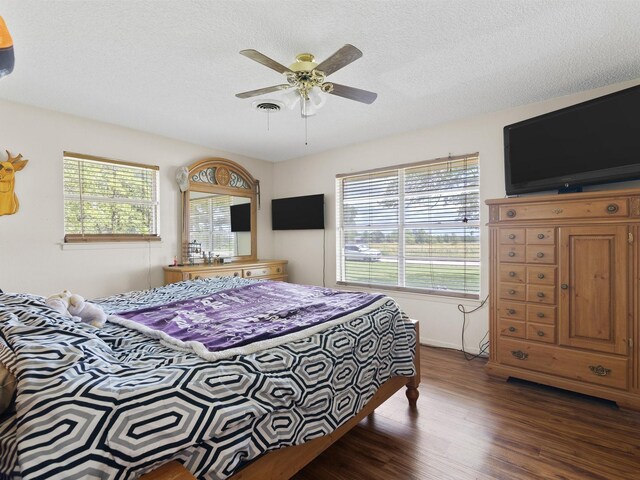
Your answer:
<point x="470" y="426"/>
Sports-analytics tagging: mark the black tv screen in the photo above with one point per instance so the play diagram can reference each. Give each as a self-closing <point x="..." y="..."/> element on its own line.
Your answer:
<point x="241" y="217"/>
<point x="593" y="142"/>
<point x="298" y="213"/>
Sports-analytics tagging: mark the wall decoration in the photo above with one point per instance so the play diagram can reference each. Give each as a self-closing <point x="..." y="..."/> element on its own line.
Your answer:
<point x="8" y="200"/>
<point x="7" y="59"/>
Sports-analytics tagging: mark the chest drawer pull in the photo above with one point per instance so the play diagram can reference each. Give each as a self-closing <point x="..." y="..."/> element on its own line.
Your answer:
<point x="564" y="286"/>
<point x="248" y="274"/>
<point x="512" y="236"/>
<point x="511" y="213"/>
<point x="599" y="370"/>
<point x="197" y="277"/>
<point x="235" y="274"/>
<point x="541" y="294"/>
<point x="540" y="333"/>
<point x="519" y="354"/>
<point x="612" y="208"/>
<point x="512" y="274"/>
<point x="512" y="254"/>
<point x="541" y="276"/>
<point x="540" y="315"/>
<point x="541" y="236"/>
<point x="539" y="254"/>
<point x="511" y="311"/>
<point x="512" y="329"/>
<point x="512" y="292"/>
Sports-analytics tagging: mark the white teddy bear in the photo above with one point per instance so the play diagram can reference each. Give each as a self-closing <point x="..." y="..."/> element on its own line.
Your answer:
<point x="88" y="312"/>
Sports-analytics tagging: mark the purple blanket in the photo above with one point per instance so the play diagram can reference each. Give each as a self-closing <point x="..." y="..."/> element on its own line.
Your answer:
<point x="241" y="316"/>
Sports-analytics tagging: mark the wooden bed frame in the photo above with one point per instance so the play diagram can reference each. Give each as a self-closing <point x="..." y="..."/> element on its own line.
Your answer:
<point x="282" y="464"/>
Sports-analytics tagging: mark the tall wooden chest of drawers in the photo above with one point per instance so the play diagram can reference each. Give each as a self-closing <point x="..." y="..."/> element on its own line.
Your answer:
<point x="564" y="301"/>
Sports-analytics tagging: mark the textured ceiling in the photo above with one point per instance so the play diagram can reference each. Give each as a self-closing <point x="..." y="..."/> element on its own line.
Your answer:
<point x="172" y="67"/>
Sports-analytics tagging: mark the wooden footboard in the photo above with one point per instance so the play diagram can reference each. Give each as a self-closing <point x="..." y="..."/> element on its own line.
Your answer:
<point x="282" y="464"/>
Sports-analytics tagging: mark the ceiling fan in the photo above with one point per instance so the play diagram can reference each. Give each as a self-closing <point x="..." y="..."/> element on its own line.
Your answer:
<point x="305" y="74"/>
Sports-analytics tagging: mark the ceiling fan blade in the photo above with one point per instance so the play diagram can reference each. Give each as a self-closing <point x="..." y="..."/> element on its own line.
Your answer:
<point x="262" y="91"/>
<point x="352" y="93"/>
<point x="264" y="60"/>
<point x="341" y="58"/>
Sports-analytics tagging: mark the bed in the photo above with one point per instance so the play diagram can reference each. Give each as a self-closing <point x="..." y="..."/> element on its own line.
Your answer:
<point x="115" y="403"/>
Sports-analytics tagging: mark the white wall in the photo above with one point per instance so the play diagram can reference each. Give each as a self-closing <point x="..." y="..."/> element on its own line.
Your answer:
<point x="32" y="258"/>
<point x="440" y="319"/>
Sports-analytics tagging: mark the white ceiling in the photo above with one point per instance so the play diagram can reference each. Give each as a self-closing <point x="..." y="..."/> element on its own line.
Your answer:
<point x="172" y="67"/>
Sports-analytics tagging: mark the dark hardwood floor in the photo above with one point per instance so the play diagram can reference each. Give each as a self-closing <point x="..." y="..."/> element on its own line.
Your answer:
<point x="470" y="426"/>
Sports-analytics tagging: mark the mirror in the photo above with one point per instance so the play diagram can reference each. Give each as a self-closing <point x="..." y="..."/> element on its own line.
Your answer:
<point x="219" y="212"/>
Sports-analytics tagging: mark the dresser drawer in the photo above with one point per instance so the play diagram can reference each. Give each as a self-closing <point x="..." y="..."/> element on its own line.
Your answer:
<point x="511" y="328"/>
<point x="510" y="236"/>
<point x="513" y="273"/>
<point x="541" y="294"/>
<point x="214" y="273"/>
<point x="608" y="370"/>
<point x="541" y="314"/>
<point x="264" y="271"/>
<point x="607" y="208"/>
<point x="512" y="291"/>
<point x="545" y="254"/>
<point x="541" y="333"/>
<point x="541" y="236"/>
<point x="539" y="275"/>
<point x="512" y="253"/>
<point x="516" y="311"/>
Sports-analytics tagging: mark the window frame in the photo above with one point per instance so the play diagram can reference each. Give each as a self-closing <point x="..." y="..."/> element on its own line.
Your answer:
<point x="402" y="227"/>
<point x="112" y="237"/>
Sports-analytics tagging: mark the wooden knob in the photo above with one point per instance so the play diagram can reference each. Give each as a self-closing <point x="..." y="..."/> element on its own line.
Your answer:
<point x="539" y="254"/>
<point x="512" y="329"/>
<point x="236" y="274"/>
<point x="512" y="236"/>
<point x="511" y="213"/>
<point x="197" y="277"/>
<point x="512" y="292"/>
<point x="511" y="311"/>
<point x="248" y="274"/>
<point x="512" y="254"/>
<point x="540" y="294"/>
<point x="612" y="208"/>
<point x="564" y="286"/>
<point x="541" y="236"/>
<point x="541" y="276"/>
<point x="540" y="333"/>
<point x="278" y="270"/>
<point x="540" y="315"/>
<point x="512" y="274"/>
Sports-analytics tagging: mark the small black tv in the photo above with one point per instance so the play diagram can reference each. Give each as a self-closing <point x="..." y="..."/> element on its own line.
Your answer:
<point x="241" y="217"/>
<point x="593" y="142"/>
<point x="298" y="213"/>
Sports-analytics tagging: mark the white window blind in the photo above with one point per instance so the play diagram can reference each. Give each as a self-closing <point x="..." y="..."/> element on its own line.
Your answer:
<point x="414" y="227"/>
<point x="210" y="224"/>
<point x="108" y="200"/>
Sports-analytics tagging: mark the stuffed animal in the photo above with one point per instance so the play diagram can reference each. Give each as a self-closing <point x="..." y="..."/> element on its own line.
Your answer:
<point x="60" y="302"/>
<point x="88" y="312"/>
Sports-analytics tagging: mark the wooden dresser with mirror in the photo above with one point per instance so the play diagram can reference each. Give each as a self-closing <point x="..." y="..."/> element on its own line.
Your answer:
<point x="219" y="212"/>
<point x="565" y="297"/>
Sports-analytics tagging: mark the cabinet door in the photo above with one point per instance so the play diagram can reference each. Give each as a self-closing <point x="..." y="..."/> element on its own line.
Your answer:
<point x="594" y="284"/>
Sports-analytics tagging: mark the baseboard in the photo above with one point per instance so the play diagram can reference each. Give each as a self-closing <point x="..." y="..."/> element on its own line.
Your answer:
<point x="430" y="342"/>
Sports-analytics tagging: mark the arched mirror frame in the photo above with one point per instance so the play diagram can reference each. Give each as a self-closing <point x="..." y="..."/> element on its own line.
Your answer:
<point x="221" y="176"/>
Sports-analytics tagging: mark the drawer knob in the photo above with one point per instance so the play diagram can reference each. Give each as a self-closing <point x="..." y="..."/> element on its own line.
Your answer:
<point x="278" y="270"/>
<point x="540" y="294"/>
<point x="512" y="329"/>
<point x="540" y="315"/>
<point x="612" y="208"/>
<point x="236" y="274"/>
<point x="197" y="277"/>
<point x="541" y="276"/>
<point x="539" y="254"/>
<point x="248" y="274"/>
<point x="540" y="333"/>
<point x="512" y="254"/>
<point x="512" y="274"/>
<point x="519" y="354"/>
<point x="564" y="286"/>
<point x="512" y="236"/>
<point x="512" y="292"/>
<point x="511" y="311"/>
<point x="600" y="370"/>
<point x="541" y="236"/>
<point x="511" y="213"/>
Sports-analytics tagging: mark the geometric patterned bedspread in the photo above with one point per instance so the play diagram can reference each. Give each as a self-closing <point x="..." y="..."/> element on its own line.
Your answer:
<point x="114" y="404"/>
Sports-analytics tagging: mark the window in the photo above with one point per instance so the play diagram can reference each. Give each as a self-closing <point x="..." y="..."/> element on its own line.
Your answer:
<point x="210" y="223"/>
<point x="413" y="227"/>
<point x="108" y="200"/>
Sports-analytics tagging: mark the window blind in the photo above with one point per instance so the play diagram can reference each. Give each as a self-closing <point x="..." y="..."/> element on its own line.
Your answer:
<point x="210" y="224"/>
<point x="108" y="200"/>
<point x="414" y="227"/>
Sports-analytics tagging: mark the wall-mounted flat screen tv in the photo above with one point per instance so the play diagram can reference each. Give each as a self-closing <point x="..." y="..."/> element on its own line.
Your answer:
<point x="241" y="217"/>
<point x="594" y="142"/>
<point x="298" y="213"/>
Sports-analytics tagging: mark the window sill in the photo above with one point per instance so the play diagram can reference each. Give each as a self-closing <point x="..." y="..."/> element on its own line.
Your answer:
<point x="454" y="298"/>
<point x="110" y="245"/>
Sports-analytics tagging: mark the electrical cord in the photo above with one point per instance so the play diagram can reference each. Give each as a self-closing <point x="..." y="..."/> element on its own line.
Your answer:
<point x="483" y="345"/>
<point x="324" y="256"/>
